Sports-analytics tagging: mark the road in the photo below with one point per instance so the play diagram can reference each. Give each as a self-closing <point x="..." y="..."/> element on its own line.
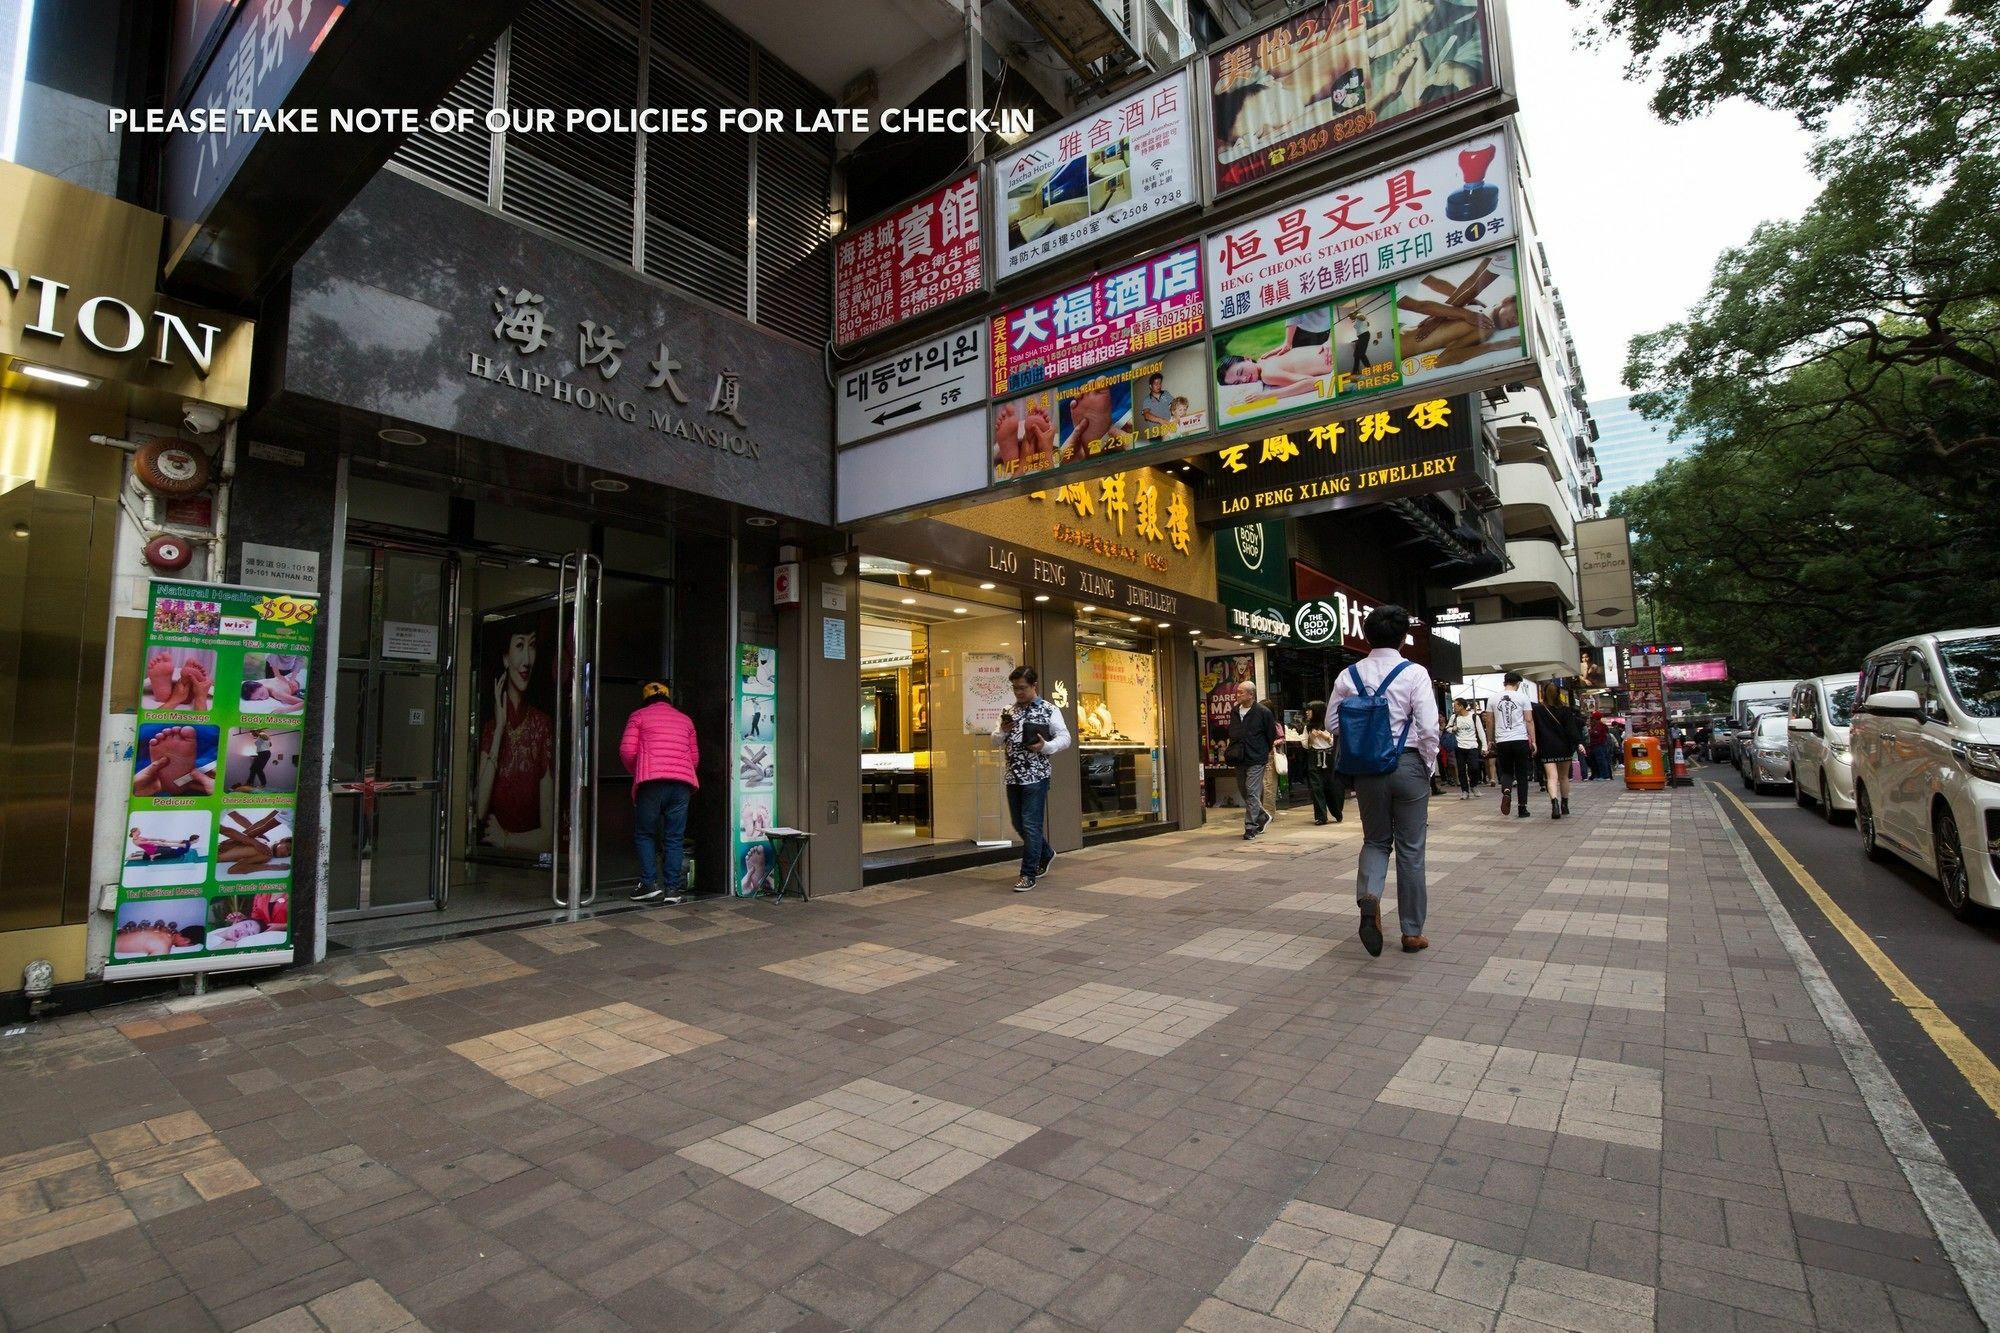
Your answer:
<point x="1952" y="961"/>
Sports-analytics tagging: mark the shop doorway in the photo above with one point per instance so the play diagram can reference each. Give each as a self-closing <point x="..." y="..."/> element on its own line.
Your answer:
<point x="475" y="778"/>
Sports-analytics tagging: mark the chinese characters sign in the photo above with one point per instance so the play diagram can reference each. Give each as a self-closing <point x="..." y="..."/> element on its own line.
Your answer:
<point x="1109" y="411"/>
<point x="1332" y="464"/>
<point x="1139" y="518"/>
<point x="1424" y="328"/>
<point x="933" y="379"/>
<point x="1338" y="73"/>
<point x="921" y="256"/>
<point x="1113" y="317"/>
<point x="206" y="878"/>
<point x="1418" y="214"/>
<point x="1131" y="162"/>
<point x="267" y="47"/>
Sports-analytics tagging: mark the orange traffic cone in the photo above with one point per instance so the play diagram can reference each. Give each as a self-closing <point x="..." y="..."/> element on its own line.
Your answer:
<point x="1680" y="775"/>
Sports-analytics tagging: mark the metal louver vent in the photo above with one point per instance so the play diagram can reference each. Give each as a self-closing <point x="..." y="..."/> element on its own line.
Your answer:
<point x="702" y="43"/>
<point x="794" y="179"/>
<point x="459" y="162"/>
<point x="697" y="201"/>
<point x="577" y="185"/>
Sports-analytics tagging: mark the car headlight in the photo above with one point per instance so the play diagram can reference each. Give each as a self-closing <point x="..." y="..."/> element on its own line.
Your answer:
<point x="1773" y="750"/>
<point x="1982" y="761"/>
<point x="1841" y="751"/>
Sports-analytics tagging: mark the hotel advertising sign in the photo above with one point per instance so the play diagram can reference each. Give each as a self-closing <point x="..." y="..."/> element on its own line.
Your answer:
<point x="908" y="262"/>
<point x="1339" y="73"/>
<point x="1115" y="316"/>
<point x="1130" y="162"/>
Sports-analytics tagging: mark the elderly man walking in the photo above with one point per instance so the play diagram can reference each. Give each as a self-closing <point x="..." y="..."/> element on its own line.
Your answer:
<point x="1387" y="716"/>
<point x="1253" y="734"/>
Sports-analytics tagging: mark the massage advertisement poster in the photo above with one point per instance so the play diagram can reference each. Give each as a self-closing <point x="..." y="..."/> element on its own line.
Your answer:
<point x="1111" y="411"/>
<point x="207" y="872"/>
<point x="1424" y="329"/>
<point x="756" y="859"/>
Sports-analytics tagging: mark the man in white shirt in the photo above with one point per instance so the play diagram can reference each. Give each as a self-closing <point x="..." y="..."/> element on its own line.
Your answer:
<point x="1513" y="741"/>
<point x="1395" y="806"/>
<point x="1033" y="732"/>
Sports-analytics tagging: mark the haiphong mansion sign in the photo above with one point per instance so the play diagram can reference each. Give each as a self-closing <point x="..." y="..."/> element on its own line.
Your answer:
<point x="658" y="395"/>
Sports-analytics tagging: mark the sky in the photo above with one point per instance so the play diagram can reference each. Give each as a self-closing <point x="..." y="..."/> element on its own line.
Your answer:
<point x="1634" y="211"/>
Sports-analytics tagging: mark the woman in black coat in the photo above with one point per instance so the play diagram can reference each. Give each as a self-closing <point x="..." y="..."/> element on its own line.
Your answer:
<point x="1555" y="748"/>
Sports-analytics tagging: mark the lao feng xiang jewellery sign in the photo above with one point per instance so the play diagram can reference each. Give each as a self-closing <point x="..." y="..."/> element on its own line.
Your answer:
<point x="646" y="386"/>
<point x="1129" y="162"/>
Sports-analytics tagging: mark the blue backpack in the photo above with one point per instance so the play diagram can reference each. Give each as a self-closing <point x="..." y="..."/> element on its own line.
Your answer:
<point x="1366" y="748"/>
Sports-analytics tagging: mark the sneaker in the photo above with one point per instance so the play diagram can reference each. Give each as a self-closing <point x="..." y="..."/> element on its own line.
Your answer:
<point x="1506" y="801"/>
<point x="1048" y="861"/>
<point x="673" y="899"/>
<point x="1371" y="929"/>
<point x="1249" y="834"/>
<point x="1522" y="813"/>
<point x="1023" y="884"/>
<point x="646" y="894"/>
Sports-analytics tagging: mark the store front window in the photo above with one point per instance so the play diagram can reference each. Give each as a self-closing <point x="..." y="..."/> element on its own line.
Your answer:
<point x="1118" y="724"/>
<point x="935" y="655"/>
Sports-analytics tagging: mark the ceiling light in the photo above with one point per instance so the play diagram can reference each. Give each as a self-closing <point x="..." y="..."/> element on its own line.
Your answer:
<point x="1135" y="619"/>
<point x="761" y="521"/>
<point x="610" y="486"/>
<point x="988" y="587"/>
<point x="62" y="377"/>
<point x="909" y="601"/>
<point x="958" y="610"/>
<point x="921" y="572"/>
<point x="1163" y="624"/>
<point x="1041" y="597"/>
<point x="1086" y="608"/>
<point x="398" y="435"/>
<point x="1195" y="632"/>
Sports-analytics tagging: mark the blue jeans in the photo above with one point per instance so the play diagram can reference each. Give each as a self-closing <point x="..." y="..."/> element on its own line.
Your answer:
<point x="1028" y="807"/>
<point x="659" y="824"/>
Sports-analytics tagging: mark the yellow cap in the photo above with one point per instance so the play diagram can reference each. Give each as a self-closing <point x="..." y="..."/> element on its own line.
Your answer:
<point x="657" y="689"/>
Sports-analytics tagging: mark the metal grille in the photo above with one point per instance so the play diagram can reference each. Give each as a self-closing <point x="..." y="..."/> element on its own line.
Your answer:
<point x="697" y="201"/>
<point x="459" y="162"/>
<point x="577" y="185"/>
<point x="794" y="183"/>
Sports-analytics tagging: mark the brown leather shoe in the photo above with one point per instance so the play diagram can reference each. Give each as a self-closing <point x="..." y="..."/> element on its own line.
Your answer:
<point x="1412" y="943"/>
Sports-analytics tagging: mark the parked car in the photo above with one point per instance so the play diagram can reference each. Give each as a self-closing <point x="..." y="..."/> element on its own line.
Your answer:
<point x="1926" y="750"/>
<point x="1822" y="764"/>
<point x="1745" y="702"/>
<point x="1764" y="757"/>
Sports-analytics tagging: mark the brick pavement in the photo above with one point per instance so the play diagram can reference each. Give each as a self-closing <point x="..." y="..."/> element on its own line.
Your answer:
<point x="1168" y="1090"/>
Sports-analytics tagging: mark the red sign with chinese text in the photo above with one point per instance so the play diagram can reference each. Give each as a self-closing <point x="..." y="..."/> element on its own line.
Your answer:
<point x="909" y="262"/>
<point x="1116" y="316"/>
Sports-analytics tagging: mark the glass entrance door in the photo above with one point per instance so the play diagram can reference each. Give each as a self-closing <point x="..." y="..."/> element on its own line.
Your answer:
<point x="392" y="712"/>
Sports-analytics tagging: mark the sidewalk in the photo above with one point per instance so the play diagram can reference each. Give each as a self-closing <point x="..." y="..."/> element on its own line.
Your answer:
<point x="1166" y="1089"/>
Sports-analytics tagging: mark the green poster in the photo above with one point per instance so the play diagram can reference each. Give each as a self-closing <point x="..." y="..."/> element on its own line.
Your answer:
<point x="756" y="770"/>
<point x="207" y="875"/>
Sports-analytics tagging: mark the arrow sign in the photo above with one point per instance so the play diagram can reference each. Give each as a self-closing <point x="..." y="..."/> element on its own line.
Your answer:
<point x="915" y="405"/>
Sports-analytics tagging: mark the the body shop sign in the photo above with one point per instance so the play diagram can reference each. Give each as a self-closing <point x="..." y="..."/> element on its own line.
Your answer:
<point x="1455" y="201"/>
<point x="1131" y="162"/>
<point x="1115" y="316"/>
<point x="908" y="262"/>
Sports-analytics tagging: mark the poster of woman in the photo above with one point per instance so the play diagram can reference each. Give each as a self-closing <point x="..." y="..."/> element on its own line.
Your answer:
<point x="513" y="793"/>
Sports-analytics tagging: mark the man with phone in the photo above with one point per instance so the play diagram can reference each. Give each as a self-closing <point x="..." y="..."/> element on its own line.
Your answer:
<point x="1033" y="731"/>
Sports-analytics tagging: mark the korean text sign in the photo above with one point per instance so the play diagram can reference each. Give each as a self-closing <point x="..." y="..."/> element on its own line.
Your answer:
<point x="1130" y="162"/>
<point x="923" y="255"/>
<point x="208" y="853"/>
<point x="1338" y="73"/>
<point x="1115" y="316"/>
<point x="1418" y="214"/>
<point x="943" y="375"/>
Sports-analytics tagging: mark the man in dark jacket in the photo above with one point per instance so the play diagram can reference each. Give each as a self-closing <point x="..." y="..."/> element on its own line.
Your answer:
<point x="1253" y="734"/>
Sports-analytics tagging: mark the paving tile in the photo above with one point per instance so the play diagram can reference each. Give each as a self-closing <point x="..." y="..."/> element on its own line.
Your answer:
<point x="547" y="1058"/>
<point x="1592" y="1099"/>
<point x="1020" y="919"/>
<point x="1258" y="948"/>
<point x="1579" y="983"/>
<point x="1121" y="1017"/>
<point x="1127" y="886"/>
<point x="860" y="968"/>
<point x="1595" y="925"/>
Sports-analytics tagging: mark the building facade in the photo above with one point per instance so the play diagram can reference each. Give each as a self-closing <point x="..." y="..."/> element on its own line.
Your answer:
<point x="1632" y="448"/>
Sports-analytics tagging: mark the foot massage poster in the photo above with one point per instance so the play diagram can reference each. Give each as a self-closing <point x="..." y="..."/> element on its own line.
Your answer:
<point x="207" y="875"/>
<point x="754" y="857"/>
<point x="1427" y="328"/>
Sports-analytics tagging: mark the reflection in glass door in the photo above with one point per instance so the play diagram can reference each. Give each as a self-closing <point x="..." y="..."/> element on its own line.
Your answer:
<point x="391" y="759"/>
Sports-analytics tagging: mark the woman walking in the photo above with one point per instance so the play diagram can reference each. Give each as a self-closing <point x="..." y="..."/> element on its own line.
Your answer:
<point x="1555" y="749"/>
<point x="1465" y="737"/>
<point x="1328" y="788"/>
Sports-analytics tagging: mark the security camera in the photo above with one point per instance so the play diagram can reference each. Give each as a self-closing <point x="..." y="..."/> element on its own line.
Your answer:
<point x="200" y="418"/>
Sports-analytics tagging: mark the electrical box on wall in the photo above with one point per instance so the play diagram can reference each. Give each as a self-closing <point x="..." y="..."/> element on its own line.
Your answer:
<point x="785" y="584"/>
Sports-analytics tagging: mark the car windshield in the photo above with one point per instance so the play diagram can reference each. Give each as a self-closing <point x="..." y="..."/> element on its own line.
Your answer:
<point x="1973" y="668"/>
<point x="1840" y="703"/>
<point x="1771" y="727"/>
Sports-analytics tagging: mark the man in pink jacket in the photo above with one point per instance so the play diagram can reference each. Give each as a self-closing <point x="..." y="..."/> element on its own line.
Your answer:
<point x="660" y="752"/>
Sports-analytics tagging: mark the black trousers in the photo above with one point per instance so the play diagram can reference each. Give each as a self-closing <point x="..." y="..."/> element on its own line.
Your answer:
<point x="1327" y="785"/>
<point x="1515" y="765"/>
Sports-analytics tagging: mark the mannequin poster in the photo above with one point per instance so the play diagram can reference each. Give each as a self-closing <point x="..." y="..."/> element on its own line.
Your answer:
<point x="206" y="879"/>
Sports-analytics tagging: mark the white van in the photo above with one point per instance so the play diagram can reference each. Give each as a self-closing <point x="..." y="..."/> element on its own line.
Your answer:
<point x="1926" y="739"/>
<point x="1749" y="699"/>
<point x="1822" y="763"/>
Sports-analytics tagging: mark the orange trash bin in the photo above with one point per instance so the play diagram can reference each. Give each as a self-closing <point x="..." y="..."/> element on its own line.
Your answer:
<point x="1644" y="768"/>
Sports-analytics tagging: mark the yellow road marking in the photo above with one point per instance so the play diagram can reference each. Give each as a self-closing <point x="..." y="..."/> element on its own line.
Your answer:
<point x="1972" y="1062"/>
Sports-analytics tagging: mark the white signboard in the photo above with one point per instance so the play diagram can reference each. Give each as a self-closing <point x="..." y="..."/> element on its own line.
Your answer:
<point x="987" y="691"/>
<point x="1131" y="162"/>
<point x="1414" y="215"/>
<point x="409" y="641"/>
<point x="280" y="567"/>
<point x="1604" y="574"/>
<point x="946" y="374"/>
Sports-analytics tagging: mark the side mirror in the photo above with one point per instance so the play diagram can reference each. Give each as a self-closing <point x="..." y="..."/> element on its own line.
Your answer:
<point x="1892" y="703"/>
<point x="1802" y="724"/>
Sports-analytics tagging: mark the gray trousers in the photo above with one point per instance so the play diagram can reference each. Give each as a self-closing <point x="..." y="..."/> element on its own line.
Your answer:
<point x="1250" y="785"/>
<point x="1395" y="808"/>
